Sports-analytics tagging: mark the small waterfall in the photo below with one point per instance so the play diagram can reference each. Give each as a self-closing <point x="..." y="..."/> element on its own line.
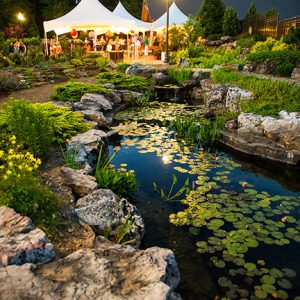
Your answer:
<point x="176" y="94"/>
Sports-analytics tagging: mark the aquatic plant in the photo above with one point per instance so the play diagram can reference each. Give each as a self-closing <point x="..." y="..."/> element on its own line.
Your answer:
<point x="177" y="75"/>
<point x="122" y="81"/>
<point x="140" y="101"/>
<point x="73" y="91"/>
<point x="170" y="196"/>
<point x="123" y="183"/>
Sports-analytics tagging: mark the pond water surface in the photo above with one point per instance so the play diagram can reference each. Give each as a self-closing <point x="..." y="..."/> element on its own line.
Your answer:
<point x="237" y="234"/>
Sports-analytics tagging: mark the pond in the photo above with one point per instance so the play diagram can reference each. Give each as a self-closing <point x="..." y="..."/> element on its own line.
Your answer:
<point x="237" y="233"/>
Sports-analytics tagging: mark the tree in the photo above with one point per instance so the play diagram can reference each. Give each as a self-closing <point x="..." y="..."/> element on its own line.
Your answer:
<point x="210" y="17"/>
<point x="231" y="23"/>
<point x="252" y="11"/>
<point x="271" y="12"/>
<point x="193" y="28"/>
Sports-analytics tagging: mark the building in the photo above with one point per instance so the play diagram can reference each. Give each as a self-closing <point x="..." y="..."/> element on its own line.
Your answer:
<point x="153" y="9"/>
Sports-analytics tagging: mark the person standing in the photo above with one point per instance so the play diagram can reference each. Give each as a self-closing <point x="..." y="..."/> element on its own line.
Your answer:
<point x="146" y="42"/>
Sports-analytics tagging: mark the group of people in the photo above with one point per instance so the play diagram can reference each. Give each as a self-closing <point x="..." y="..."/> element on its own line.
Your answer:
<point x="17" y="47"/>
<point x="54" y="48"/>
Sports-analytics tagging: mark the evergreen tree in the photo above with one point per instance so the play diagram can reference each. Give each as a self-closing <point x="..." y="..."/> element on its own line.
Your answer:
<point x="271" y="12"/>
<point x="252" y="11"/>
<point x="210" y="17"/>
<point x="231" y="23"/>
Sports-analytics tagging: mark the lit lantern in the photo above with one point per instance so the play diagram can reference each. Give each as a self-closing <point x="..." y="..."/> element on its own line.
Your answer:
<point x="74" y="34"/>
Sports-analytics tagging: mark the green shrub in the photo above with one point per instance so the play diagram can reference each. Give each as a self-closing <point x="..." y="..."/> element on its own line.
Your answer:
<point x="264" y="46"/>
<point x="282" y="60"/>
<point x="101" y="62"/>
<point x="246" y="43"/>
<point x="9" y="83"/>
<point x="122" y="67"/>
<point x="122" y="183"/>
<point x="214" y="37"/>
<point x="293" y="36"/>
<point x="29" y="124"/>
<point x="178" y="76"/>
<point x="271" y="96"/>
<point x="65" y="122"/>
<point x="122" y="81"/>
<point x="33" y="41"/>
<point x="195" y="51"/>
<point x="77" y="62"/>
<point x="73" y="91"/>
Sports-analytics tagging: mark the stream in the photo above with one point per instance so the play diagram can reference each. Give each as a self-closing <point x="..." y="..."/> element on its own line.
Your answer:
<point x="237" y="234"/>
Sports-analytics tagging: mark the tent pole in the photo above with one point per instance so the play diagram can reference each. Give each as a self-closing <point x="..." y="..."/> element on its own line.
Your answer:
<point x="46" y="43"/>
<point x="128" y="46"/>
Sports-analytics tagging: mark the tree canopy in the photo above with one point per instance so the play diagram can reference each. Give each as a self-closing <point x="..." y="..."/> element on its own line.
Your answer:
<point x="231" y="23"/>
<point x="252" y="11"/>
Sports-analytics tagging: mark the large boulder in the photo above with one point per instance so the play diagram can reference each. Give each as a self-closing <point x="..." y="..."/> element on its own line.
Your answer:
<point x="96" y="116"/>
<point x="80" y="184"/>
<point x="21" y="242"/>
<point x="126" y="96"/>
<point x="86" y="148"/>
<point x="96" y="102"/>
<point x="140" y="70"/>
<point x="296" y="74"/>
<point x="103" y="208"/>
<point x="107" y="272"/>
<point x="160" y="78"/>
<point x="284" y="130"/>
<point x="221" y="98"/>
<point x="235" y="96"/>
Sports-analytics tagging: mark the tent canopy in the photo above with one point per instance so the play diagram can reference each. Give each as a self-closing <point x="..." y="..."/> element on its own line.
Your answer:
<point x="89" y="14"/>
<point x="122" y="12"/>
<point x="176" y="17"/>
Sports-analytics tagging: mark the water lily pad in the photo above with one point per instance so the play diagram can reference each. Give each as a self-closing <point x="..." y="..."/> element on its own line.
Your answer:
<point x="224" y="282"/>
<point x="281" y="294"/>
<point x="267" y="279"/>
<point x="250" y="266"/>
<point x="289" y="272"/>
<point x="268" y="288"/>
<point x="276" y="273"/>
<point x="260" y="293"/>
<point x="194" y="230"/>
<point x="284" y="283"/>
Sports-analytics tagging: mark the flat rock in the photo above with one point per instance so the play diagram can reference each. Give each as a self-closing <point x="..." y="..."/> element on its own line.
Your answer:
<point x="126" y="96"/>
<point x="96" y="102"/>
<point x="95" y="116"/>
<point x="20" y="242"/>
<point x="263" y="147"/>
<point x="140" y="70"/>
<point x="107" y="272"/>
<point x="296" y="74"/>
<point x="80" y="184"/>
<point x="102" y="208"/>
<point x="160" y="78"/>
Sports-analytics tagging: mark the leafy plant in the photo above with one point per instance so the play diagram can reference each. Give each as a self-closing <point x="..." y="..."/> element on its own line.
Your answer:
<point x="9" y="83"/>
<point x="122" y="81"/>
<point x="184" y="190"/>
<point x="122" y="183"/>
<point x="177" y="75"/>
<point x="73" y="91"/>
<point x="122" y="67"/>
<point x="29" y="124"/>
<point x="271" y="96"/>
<point x="231" y="23"/>
<point x="77" y="62"/>
<point x="142" y="101"/>
<point x="101" y="62"/>
<point x="69" y="156"/>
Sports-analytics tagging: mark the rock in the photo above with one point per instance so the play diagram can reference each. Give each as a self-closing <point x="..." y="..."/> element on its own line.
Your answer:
<point x="108" y="272"/>
<point x="250" y="123"/>
<point x="102" y="208"/>
<point x="115" y="97"/>
<point x="227" y="39"/>
<point x="160" y="78"/>
<point x="80" y="184"/>
<point x="215" y="100"/>
<point x="265" y="69"/>
<point x="232" y="67"/>
<point x="127" y="96"/>
<point x="112" y="65"/>
<point x="235" y="96"/>
<point x="20" y="242"/>
<point x="263" y="147"/>
<point x="188" y="84"/>
<point x="285" y="132"/>
<point x="96" y="116"/>
<point x="289" y="116"/>
<point x="200" y="75"/>
<point x="96" y="102"/>
<point x="232" y="124"/>
<point x="109" y="86"/>
<point x="184" y="62"/>
<point x="296" y="73"/>
<point x="140" y="70"/>
<point x="87" y="147"/>
<point x="197" y="93"/>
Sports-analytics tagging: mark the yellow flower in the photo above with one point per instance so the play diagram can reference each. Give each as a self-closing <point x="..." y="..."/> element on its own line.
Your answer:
<point x="20" y="167"/>
<point x="4" y="177"/>
<point x="10" y="151"/>
<point x="10" y="164"/>
<point x="8" y="172"/>
<point x="1" y="153"/>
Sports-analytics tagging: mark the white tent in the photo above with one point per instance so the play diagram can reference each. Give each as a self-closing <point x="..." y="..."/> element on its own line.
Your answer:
<point x="176" y="17"/>
<point x="121" y="11"/>
<point x="89" y="14"/>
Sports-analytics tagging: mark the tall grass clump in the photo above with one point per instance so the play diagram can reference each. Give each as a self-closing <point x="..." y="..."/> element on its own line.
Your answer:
<point x="122" y="81"/>
<point x="121" y="182"/>
<point x="9" y="83"/>
<point x="178" y="76"/>
<point x="73" y="91"/>
<point x="271" y="96"/>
